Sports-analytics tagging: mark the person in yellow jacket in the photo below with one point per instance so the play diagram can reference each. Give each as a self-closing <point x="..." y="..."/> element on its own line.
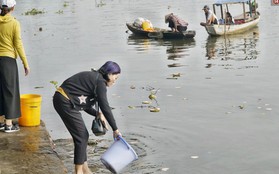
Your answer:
<point x="11" y="46"/>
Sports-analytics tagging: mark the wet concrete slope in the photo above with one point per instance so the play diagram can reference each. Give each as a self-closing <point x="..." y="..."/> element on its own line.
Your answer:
<point x="29" y="151"/>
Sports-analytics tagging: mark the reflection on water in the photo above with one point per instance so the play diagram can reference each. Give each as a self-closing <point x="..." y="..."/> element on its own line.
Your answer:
<point x="175" y="49"/>
<point x="233" y="47"/>
<point x="141" y="43"/>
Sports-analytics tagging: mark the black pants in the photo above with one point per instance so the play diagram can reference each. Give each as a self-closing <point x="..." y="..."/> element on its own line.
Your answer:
<point x="179" y="27"/>
<point x="73" y="121"/>
<point x="9" y="88"/>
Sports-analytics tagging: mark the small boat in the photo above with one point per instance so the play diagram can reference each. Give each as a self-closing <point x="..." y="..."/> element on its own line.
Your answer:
<point x="243" y="22"/>
<point x="160" y="33"/>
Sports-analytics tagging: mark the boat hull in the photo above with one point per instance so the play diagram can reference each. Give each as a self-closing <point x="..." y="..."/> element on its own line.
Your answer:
<point x="161" y="33"/>
<point x="222" y="29"/>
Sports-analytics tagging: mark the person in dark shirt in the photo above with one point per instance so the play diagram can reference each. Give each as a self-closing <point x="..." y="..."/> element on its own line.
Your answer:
<point x="80" y="93"/>
<point x="175" y="23"/>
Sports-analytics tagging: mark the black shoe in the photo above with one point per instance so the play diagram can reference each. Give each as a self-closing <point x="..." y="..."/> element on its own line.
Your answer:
<point x="11" y="128"/>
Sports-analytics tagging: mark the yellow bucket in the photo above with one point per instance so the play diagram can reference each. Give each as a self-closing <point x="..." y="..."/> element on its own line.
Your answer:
<point x="30" y="105"/>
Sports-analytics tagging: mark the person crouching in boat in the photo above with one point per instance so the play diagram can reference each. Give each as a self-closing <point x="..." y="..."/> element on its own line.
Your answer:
<point x="175" y="23"/>
<point x="209" y="16"/>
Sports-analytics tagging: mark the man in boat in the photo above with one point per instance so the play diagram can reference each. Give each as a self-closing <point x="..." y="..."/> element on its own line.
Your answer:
<point x="175" y="23"/>
<point x="209" y="16"/>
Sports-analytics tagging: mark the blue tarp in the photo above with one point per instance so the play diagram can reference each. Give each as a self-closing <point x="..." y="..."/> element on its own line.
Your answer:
<point x="230" y="1"/>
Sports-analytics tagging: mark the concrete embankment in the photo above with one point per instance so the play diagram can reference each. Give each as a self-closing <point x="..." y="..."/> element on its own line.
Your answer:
<point x="29" y="150"/>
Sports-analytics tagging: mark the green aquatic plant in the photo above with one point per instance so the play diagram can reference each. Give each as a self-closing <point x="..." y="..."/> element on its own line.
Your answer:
<point x="147" y="104"/>
<point x="55" y="83"/>
<point x="66" y="4"/>
<point x="60" y="12"/>
<point x="34" y="12"/>
<point x="100" y="4"/>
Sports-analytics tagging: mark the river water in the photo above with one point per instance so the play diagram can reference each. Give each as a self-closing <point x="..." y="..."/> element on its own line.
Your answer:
<point x="219" y="116"/>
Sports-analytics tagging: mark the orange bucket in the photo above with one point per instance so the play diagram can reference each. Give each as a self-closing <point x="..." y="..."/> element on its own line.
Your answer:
<point x="30" y="105"/>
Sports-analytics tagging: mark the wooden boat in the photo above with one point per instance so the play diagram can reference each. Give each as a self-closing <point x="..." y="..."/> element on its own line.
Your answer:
<point x="242" y="22"/>
<point x="160" y="33"/>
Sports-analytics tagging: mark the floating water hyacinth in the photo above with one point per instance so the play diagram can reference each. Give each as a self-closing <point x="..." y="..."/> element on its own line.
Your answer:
<point x="147" y="103"/>
<point x="34" y="12"/>
<point x="152" y="96"/>
<point x="55" y="83"/>
<point x="155" y="109"/>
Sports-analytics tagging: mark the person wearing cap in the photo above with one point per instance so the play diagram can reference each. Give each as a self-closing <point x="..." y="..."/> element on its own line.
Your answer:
<point x="11" y="46"/>
<point x="175" y="23"/>
<point x="209" y="16"/>
<point x="80" y="93"/>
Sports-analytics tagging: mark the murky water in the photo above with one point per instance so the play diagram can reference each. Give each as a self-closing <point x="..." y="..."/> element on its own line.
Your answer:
<point x="219" y="115"/>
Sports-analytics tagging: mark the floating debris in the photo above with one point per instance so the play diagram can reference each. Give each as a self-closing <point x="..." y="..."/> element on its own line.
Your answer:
<point x="241" y="107"/>
<point x="173" y="78"/>
<point x="165" y="169"/>
<point x="268" y="109"/>
<point x="132" y="107"/>
<point x="132" y="87"/>
<point x="37" y="87"/>
<point x="176" y="75"/>
<point x="146" y="102"/>
<point x="194" y="157"/>
<point x="175" y="65"/>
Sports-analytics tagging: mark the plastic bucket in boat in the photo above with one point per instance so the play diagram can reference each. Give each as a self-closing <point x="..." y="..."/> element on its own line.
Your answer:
<point x="30" y="105"/>
<point x="146" y="25"/>
<point x="118" y="155"/>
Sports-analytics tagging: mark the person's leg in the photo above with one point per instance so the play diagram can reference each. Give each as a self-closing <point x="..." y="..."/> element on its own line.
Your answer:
<point x="86" y="169"/>
<point x="2" y="118"/>
<point x="10" y="105"/>
<point x="74" y="123"/>
<point x="78" y="169"/>
<point x="2" y="122"/>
